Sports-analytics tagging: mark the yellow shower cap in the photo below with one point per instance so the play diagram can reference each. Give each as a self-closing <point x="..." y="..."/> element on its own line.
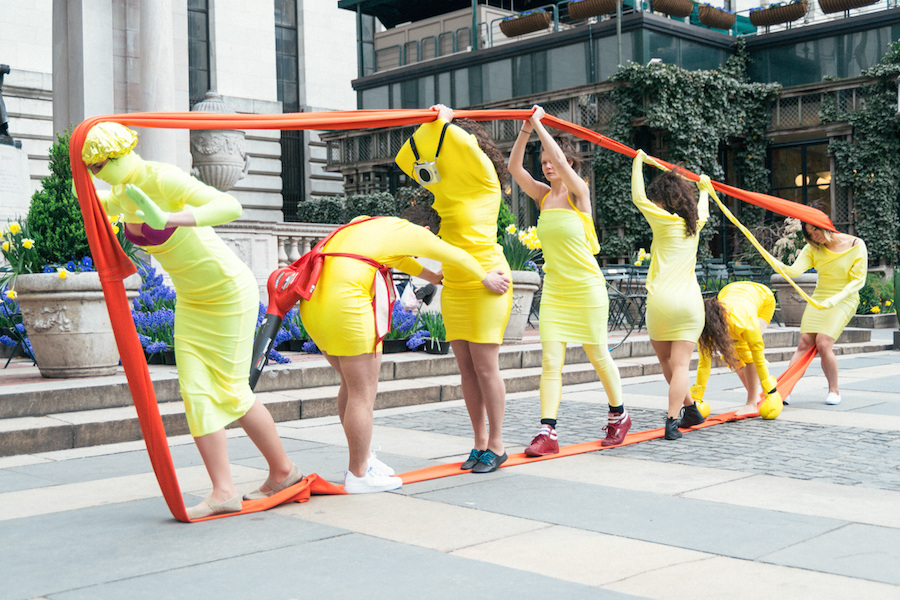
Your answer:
<point x="107" y="140"/>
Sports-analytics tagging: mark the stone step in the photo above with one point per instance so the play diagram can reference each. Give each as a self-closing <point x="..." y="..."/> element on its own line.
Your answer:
<point x="414" y="379"/>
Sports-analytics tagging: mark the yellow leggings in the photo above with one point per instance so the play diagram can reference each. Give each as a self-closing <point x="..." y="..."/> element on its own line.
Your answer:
<point x="552" y="361"/>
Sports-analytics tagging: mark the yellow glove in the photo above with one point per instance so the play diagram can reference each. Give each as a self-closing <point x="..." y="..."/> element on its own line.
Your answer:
<point x="771" y="407"/>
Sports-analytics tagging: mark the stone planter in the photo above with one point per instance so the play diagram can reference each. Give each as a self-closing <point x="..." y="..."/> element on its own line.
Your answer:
<point x="674" y="8"/>
<point x="778" y="14"/>
<point x="525" y="284"/>
<point x="219" y="155"/>
<point x="68" y="323"/>
<point x="714" y="17"/>
<point x="880" y="321"/>
<point x="833" y="6"/>
<point x="792" y="304"/>
<point x="525" y="24"/>
<point x="584" y="9"/>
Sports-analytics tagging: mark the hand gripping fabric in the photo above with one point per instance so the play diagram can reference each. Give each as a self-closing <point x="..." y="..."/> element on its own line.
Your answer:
<point x="113" y="265"/>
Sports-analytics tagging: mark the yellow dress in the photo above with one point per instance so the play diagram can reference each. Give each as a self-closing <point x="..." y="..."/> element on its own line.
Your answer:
<point x="841" y="276"/>
<point x="745" y="303"/>
<point x="674" y="302"/>
<point x="468" y="199"/>
<point x="339" y="315"/>
<point x="574" y="302"/>
<point x="217" y="297"/>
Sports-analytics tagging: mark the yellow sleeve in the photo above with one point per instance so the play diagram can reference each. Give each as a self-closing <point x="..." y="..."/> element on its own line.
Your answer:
<point x="703" y="368"/>
<point x="857" y="274"/>
<point x="208" y="205"/>
<point x="803" y="263"/>
<point x="418" y="241"/>
<point x="754" y="340"/>
<point x="639" y="193"/>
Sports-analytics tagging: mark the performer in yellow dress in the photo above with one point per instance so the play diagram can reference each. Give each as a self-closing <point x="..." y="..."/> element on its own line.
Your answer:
<point x="467" y="195"/>
<point x="735" y="322"/>
<point x="340" y="320"/>
<point x="674" y="302"/>
<point x="842" y="263"/>
<point x="574" y="302"/>
<point x="170" y="214"/>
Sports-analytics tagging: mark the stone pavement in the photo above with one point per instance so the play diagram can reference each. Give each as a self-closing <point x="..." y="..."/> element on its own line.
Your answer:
<point x="805" y="506"/>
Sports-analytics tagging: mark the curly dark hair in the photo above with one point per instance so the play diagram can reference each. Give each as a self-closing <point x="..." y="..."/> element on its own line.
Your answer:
<point x="424" y="215"/>
<point x="569" y="150"/>
<point x="487" y="146"/>
<point x="716" y="337"/>
<point x="676" y="194"/>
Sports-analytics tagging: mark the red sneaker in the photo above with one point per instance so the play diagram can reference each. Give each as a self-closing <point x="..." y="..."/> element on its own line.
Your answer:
<point x="541" y="445"/>
<point x="615" y="432"/>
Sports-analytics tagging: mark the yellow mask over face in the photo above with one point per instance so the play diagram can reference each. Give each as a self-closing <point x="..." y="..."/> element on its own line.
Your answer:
<point x="120" y="170"/>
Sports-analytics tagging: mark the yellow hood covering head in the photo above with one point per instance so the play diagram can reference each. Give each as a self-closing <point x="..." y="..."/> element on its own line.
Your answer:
<point x="107" y="140"/>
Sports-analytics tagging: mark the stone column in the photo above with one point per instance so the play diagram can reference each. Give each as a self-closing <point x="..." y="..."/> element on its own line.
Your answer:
<point x="157" y="77"/>
<point x="82" y="61"/>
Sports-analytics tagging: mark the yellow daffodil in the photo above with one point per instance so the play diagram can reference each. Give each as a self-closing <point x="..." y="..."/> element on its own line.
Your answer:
<point x="28" y="243"/>
<point x="887" y="302"/>
<point x="510" y="228"/>
<point x="115" y="229"/>
<point x="62" y="272"/>
<point x="11" y="294"/>
<point x="637" y="263"/>
<point x="15" y="228"/>
<point x="876" y="309"/>
<point x="6" y="246"/>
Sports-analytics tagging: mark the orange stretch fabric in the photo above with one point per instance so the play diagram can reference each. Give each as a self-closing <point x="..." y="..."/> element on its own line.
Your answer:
<point x="113" y="266"/>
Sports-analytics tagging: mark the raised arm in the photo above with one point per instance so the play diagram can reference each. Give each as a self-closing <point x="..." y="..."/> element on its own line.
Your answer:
<point x="552" y="152"/>
<point x="532" y="187"/>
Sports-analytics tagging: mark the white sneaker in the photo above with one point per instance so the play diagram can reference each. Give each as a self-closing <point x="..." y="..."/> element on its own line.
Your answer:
<point x="372" y="481"/>
<point x="833" y="398"/>
<point x="378" y="466"/>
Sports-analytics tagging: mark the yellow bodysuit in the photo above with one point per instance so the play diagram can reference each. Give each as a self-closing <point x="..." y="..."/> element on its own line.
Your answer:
<point x="841" y="276"/>
<point x="339" y="315"/>
<point x="674" y="302"/>
<point x="468" y="198"/>
<point x="217" y="296"/>
<point x="745" y="303"/>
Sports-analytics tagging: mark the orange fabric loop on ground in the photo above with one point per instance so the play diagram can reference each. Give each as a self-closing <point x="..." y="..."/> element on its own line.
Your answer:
<point x="113" y="266"/>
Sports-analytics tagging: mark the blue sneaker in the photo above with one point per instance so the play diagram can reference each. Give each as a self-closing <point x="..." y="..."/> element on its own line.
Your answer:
<point x="488" y="462"/>
<point x="474" y="455"/>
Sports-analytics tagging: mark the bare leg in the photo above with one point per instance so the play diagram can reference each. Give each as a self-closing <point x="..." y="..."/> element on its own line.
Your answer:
<point x="825" y="347"/>
<point x="486" y="361"/>
<point x="675" y="359"/>
<point x="213" y="449"/>
<point x="360" y="376"/>
<point x="342" y="392"/>
<point x="471" y="392"/>
<point x="260" y="428"/>
<point x="750" y="379"/>
<point x="807" y="340"/>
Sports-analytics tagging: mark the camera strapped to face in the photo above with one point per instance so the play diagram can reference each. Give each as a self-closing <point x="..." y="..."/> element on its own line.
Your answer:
<point x="426" y="171"/>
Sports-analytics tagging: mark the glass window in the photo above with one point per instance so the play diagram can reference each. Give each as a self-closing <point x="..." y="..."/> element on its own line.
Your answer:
<point x="567" y="67"/>
<point x="426" y="92"/>
<point x="523" y="75"/>
<point x="198" y="50"/>
<point x="409" y="94"/>
<point x="606" y="53"/>
<point x="802" y="173"/>
<point x="376" y="98"/>
<point x="496" y="81"/>
<point x="696" y="56"/>
<point x="444" y="91"/>
<point x="461" y="88"/>
<point x="661" y="46"/>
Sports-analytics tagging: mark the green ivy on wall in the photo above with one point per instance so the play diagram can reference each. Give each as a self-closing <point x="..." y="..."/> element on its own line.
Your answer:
<point x="697" y="111"/>
<point x="868" y="164"/>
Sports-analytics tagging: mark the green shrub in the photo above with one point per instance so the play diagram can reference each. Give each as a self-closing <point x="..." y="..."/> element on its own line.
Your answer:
<point x="409" y="196"/>
<point x="54" y="219"/>
<point x="371" y="205"/>
<point x="321" y="210"/>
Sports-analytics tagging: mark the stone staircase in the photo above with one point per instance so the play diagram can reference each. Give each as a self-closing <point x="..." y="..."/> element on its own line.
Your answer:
<point x="41" y="415"/>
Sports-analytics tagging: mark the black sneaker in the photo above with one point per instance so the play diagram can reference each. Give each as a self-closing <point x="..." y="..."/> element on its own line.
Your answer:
<point x="672" y="432"/>
<point x="690" y="416"/>
<point x="488" y="462"/>
<point x="474" y="455"/>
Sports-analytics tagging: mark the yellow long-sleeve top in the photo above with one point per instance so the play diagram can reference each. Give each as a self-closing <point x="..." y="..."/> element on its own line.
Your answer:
<point x="217" y="297"/>
<point x="468" y="199"/>
<point x="339" y="315"/>
<point x="674" y="300"/>
<point x="745" y="303"/>
<point x="841" y="276"/>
